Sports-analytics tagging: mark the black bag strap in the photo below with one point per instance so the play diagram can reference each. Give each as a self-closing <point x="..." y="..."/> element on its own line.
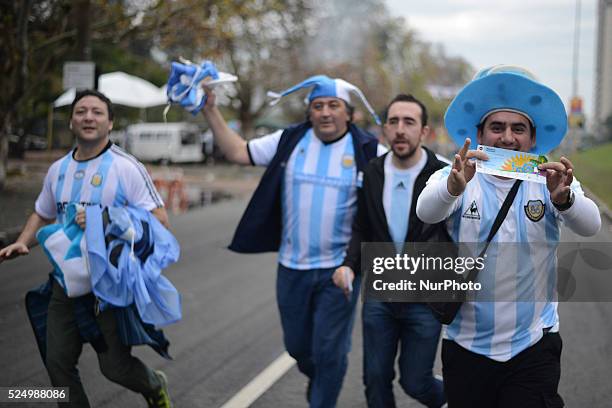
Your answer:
<point x="445" y="312"/>
<point x="501" y="215"/>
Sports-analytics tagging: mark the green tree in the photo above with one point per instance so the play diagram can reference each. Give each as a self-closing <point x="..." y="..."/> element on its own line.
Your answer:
<point x="36" y="38"/>
<point x="259" y="41"/>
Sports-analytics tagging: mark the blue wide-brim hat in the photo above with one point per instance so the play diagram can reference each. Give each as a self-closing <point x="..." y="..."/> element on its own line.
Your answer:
<point x="505" y="87"/>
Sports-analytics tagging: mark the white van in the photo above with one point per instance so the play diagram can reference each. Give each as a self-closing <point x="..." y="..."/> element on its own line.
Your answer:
<point x="167" y="142"/>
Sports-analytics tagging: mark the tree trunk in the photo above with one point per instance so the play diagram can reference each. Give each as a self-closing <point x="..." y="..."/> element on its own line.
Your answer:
<point x="83" y="37"/>
<point x="247" y="125"/>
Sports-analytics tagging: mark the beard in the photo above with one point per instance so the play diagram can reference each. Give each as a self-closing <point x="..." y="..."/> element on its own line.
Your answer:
<point x="406" y="155"/>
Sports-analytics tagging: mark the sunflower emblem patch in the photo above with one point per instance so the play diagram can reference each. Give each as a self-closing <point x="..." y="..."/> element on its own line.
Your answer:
<point x="348" y="161"/>
<point x="535" y="209"/>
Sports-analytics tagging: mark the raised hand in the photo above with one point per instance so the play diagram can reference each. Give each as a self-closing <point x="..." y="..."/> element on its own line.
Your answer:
<point x="463" y="168"/>
<point x="211" y="97"/>
<point x="559" y="177"/>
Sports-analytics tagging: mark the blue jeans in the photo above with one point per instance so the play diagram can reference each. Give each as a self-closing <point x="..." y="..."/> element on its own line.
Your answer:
<point x="317" y="321"/>
<point x="416" y="330"/>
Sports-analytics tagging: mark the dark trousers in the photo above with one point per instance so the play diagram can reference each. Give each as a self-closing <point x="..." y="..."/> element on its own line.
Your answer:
<point x="317" y="321"/>
<point x="64" y="346"/>
<point x="413" y="327"/>
<point x="528" y="380"/>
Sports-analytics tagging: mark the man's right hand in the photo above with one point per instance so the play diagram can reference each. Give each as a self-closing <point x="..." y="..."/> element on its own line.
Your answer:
<point x="232" y="145"/>
<point x="211" y="99"/>
<point x="340" y="277"/>
<point x="12" y="251"/>
<point x="463" y="168"/>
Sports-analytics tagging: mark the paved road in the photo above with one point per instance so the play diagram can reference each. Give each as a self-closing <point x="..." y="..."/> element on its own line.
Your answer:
<point x="231" y="331"/>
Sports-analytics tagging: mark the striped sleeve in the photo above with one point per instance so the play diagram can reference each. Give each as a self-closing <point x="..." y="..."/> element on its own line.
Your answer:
<point x="140" y="190"/>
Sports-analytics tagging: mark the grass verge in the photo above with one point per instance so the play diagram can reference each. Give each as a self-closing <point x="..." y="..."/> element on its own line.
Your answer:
<point x="593" y="168"/>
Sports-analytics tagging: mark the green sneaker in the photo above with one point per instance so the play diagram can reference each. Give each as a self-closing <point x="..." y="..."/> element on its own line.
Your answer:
<point x="160" y="398"/>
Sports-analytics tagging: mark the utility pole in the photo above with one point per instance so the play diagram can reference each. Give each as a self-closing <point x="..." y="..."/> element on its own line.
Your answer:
<point x="576" y="49"/>
<point x="576" y="115"/>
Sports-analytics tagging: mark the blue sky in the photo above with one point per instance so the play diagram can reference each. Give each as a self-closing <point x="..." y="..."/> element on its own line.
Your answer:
<point x="535" y="34"/>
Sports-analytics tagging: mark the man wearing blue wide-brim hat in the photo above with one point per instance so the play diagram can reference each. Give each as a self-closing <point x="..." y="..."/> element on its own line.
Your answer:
<point x="303" y="208"/>
<point x="504" y="351"/>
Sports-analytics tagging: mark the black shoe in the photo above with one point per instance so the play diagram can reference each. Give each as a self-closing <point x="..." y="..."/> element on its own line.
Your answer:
<point x="160" y="399"/>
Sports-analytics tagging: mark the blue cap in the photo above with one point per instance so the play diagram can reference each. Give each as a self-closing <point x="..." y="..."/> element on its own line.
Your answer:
<point x="507" y="88"/>
<point x="326" y="87"/>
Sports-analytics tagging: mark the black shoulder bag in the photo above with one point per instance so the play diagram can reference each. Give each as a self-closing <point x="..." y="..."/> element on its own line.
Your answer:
<point x="445" y="312"/>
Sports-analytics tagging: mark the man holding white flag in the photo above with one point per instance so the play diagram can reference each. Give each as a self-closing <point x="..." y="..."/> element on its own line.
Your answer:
<point x="94" y="173"/>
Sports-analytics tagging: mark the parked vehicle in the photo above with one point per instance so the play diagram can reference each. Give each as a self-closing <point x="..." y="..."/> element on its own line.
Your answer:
<point x="165" y="142"/>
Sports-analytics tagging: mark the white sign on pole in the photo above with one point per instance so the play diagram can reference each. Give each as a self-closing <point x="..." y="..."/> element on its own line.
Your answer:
<point x="79" y="75"/>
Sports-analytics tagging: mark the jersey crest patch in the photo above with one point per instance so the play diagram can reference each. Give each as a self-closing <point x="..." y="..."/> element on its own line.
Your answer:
<point x="535" y="209"/>
<point x="472" y="212"/>
<point x="348" y="161"/>
<point x="96" y="180"/>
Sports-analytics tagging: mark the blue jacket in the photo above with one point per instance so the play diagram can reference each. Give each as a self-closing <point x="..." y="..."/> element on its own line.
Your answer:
<point x="260" y="227"/>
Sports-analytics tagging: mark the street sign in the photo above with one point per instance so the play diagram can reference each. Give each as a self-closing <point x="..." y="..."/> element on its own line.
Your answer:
<point x="576" y="104"/>
<point x="79" y="75"/>
<point x="576" y="118"/>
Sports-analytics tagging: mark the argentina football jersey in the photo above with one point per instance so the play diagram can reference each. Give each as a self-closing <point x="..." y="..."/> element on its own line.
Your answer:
<point x="113" y="178"/>
<point x="319" y="201"/>
<point x="520" y="294"/>
<point x="319" y="198"/>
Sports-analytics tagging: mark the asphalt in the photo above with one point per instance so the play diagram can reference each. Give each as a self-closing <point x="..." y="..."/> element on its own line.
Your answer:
<point x="231" y="332"/>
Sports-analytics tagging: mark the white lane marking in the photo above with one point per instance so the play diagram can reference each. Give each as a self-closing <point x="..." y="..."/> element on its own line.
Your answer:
<point x="260" y="384"/>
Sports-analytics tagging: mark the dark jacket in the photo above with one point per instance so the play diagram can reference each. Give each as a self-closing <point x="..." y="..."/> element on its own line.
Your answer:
<point x="370" y="224"/>
<point x="260" y="227"/>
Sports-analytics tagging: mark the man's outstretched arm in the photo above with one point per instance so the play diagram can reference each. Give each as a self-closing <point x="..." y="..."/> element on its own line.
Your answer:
<point x="231" y="144"/>
<point x="26" y="239"/>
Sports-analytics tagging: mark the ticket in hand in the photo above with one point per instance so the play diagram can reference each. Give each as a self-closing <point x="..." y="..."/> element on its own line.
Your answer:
<point x="511" y="164"/>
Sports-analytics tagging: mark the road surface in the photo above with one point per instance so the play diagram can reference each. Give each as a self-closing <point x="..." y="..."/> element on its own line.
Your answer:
<point x="231" y="331"/>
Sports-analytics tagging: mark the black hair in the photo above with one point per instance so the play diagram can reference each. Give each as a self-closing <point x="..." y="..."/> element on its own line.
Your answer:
<point x="350" y="110"/>
<point x="92" y="92"/>
<point x="407" y="98"/>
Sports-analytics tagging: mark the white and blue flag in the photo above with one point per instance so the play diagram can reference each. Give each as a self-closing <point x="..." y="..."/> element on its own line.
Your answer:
<point x="184" y="83"/>
<point x="128" y="248"/>
<point x="65" y="246"/>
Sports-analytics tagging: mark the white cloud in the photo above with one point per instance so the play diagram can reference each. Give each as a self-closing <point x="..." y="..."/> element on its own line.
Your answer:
<point x="536" y="34"/>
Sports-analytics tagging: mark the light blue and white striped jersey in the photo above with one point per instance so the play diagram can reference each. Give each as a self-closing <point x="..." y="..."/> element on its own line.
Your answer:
<point x="113" y="178"/>
<point x="502" y="329"/>
<point x="397" y="196"/>
<point x="319" y="198"/>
